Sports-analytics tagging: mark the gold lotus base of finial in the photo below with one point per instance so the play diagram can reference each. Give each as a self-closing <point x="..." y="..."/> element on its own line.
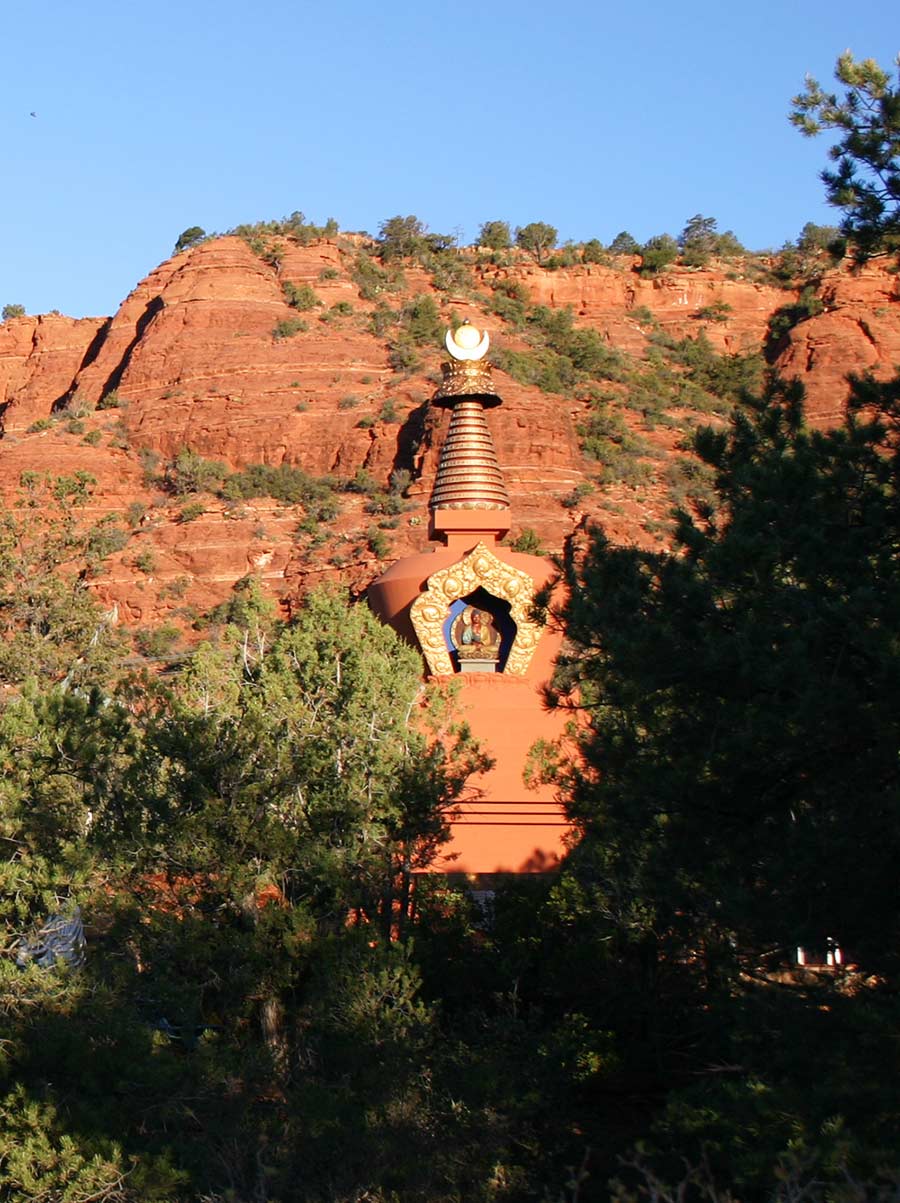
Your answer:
<point x="467" y="378"/>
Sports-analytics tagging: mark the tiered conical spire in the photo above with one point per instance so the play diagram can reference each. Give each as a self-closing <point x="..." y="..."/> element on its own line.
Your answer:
<point x="468" y="475"/>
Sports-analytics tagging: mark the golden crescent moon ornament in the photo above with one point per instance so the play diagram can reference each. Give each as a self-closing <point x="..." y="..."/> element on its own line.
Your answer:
<point x="467" y="343"/>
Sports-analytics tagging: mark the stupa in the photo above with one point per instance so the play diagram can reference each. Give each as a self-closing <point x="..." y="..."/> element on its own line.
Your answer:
<point x="467" y="605"/>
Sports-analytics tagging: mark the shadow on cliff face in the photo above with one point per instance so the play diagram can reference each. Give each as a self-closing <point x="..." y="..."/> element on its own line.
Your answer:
<point x="412" y="442"/>
<point x="90" y="355"/>
<point x="114" y="379"/>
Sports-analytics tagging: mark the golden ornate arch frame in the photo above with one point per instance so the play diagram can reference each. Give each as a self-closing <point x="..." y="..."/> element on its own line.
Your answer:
<point x="479" y="567"/>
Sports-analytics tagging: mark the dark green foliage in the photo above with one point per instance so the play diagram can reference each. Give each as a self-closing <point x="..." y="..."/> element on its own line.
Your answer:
<point x="624" y="244"/>
<point x="593" y="252"/>
<point x="606" y="438"/>
<point x="697" y="241"/>
<point x="563" y="356"/>
<point x="230" y="1032"/>
<point x="288" y="327"/>
<point x="865" y="181"/>
<point x="401" y="238"/>
<point x="421" y="320"/>
<point x="657" y="253"/>
<point x="156" y="643"/>
<point x="537" y="238"/>
<point x="568" y="256"/>
<point x="259" y="235"/>
<point x="786" y="317"/>
<point x="192" y="511"/>
<point x="772" y="630"/>
<point x="813" y="238"/>
<point x="578" y="494"/>
<point x="371" y="279"/>
<point x="510" y="301"/>
<point x="284" y="483"/>
<point x="377" y="542"/>
<point x="718" y="311"/>
<point x="420" y="325"/>
<point x="739" y="797"/>
<point x="725" y="376"/>
<point x="10" y="311"/>
<point x="527" y="542"/>
<point x="110" y="400"/>
<point x="189" y="237"/>
<point x="300" y="296"/>
<point x="105" y="538"/>
<point x="189" y="472"/>
<point x="544" y="369"/>
<point x="495" y="235"/>
<point x="728" y="246"/>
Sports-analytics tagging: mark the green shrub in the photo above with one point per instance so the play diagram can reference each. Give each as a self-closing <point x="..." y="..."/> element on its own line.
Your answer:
<point x="401" y="478"/>
<point x="362" y="482"/>
<point x="105" y="538"/>
<point x="149" y="462"/>
<point x="377" y="542"/>
<point x="189" y="472"/>
<point x="188" y="238"/>
<point x="288" y="327"/>
<point x="527" y="542"/>
<point x="728" y="246"/>
<point x="92" y="438"/>
<point x="624" y="244"/>
<point x="583" y="489"/>
<point x="12" y="311"/>
<point x="350" y="401"/>
<point x="300" y="296"/>
<point x="691" y="482"/>
<point x="718" y="311"/>
<point x="421" y="320"/>
<point x="156" y="642"/>
<point x="786" y="317"/>
<point x="341" y="309"/>
<point x="192" y="511"/>
<point x="371" y="279"/>
<point x="543" y="369"/>
<point x="697" y="241"/>
<point x="75" y="426"/>
<point x="495" y="235"/>
<point x="593" y="252"/>
<point x="605" y="435"/>
<point x="537" y="238"/>
<point x="401" y="238"/>
<point x="329" y="273"/>
<point x="657" y="253"/>
<point x="284" y="483"/>
<point x="145" y="561"/>
<point x="388" y="411"/>
<point x="109" y="400"/>
<point x="176" y="589"/>
<point x="567" y="257"/>
<point x="402" y="354"/>
<point x="40" y="424"/>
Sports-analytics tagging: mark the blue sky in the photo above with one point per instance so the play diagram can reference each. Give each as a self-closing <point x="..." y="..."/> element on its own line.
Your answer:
<point x="595" y="117"/>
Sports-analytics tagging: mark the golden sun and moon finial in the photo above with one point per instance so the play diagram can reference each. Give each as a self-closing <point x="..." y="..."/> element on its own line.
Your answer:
<point x="467" y="343"/>
<point x="467" y="373"/>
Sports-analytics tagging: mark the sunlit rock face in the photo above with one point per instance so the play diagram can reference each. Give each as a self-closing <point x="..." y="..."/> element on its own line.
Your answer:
<point x="206" y="353"/>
